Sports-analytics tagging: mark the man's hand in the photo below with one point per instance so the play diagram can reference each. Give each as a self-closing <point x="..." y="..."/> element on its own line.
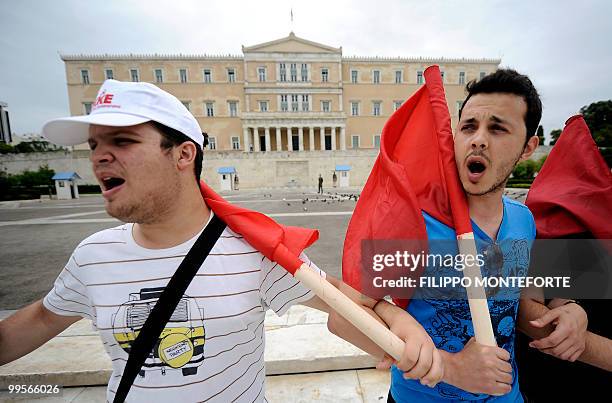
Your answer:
<point x="420" y="358"/>
<point x="567" y="341"/>
<point x="479" y="369"/>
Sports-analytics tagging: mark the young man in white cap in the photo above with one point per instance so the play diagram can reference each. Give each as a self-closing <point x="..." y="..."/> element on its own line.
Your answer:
<point x="145" y="149"/>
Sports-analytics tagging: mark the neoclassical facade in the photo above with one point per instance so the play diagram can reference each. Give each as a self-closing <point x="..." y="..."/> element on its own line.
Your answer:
<point x="290" y="95"/>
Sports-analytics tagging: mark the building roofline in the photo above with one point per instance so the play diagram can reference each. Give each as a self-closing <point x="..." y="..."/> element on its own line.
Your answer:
<point x="400" y="59"/>
<point x="146" y="56"/>
<point x="291" y="36"/>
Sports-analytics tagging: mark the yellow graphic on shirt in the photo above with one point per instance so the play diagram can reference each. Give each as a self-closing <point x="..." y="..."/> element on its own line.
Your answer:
<point x="180" y="345"/>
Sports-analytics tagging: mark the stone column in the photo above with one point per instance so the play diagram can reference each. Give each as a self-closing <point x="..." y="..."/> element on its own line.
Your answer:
<point x="301" y="138"/>
<point x="322" y="129"/>
<point x="256" y="146"/>
<point x="268" y="145"/>
<point x="311" y="138"/>
<point x="245" y="138"/>
<point x="333" y="138"/>
<point x="342" y="138"/>
<point x="279" y="140"/>
<point x="290" y="139"/>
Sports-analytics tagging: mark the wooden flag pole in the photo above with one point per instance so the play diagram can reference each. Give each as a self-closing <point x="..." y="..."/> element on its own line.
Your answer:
<point x="477" y="298"/>
<point x="352" y="312"/>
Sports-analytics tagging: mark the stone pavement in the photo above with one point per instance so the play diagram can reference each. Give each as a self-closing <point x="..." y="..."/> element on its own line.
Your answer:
<point x="304" y="363"/>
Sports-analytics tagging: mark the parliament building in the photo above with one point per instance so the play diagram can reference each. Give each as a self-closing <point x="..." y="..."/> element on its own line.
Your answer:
<point x="280" y="98"/>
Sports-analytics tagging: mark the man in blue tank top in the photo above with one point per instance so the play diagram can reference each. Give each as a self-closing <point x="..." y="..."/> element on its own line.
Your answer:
<point x="497" y="129"/>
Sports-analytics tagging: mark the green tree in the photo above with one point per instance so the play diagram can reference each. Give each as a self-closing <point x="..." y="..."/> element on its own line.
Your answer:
<point x="540" y="163"/>
<point x="540" y="134"/>
<point x="598" y="116"/>
<point x="6" y="148"/>
<point x="35" y="146"/>
<point x="554" y="135"/>
<point x="525" y="170"/>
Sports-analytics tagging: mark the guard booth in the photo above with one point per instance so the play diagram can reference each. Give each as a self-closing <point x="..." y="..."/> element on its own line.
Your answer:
<point x="65" y="185"/>
<point x="226" y="177"/>
<point x="344" y="174"/>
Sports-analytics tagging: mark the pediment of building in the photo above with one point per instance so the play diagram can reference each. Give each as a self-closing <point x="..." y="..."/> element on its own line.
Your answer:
<point x="291" y="44"/>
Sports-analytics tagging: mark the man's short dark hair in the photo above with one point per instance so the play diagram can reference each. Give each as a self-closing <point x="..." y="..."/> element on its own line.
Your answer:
<point x="508" y="81"/>
<point x="172" y="138"/>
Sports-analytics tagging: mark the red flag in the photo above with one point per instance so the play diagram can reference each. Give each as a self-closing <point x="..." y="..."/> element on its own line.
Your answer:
<point x="415" y="171"/>
<point x="572" y="193"/>
<point x="279" y="243"/>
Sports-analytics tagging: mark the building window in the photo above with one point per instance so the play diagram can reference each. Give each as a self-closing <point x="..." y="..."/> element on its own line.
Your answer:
<point x="324" y="75"/>
<point x="282" y="68"/>
<point x="354" y="76"/>
<point x="377" y="141"/>
<point x="232" y="106"/>
<point x="294" y="103"/>
<point x="376" y="108"/>
<point x="231" y="75"/>
<point x="284" y="104"/>
<point x="482" y="75"/>
<point x="376" y="76"/>
<point x="210" y="109"/>
<point x="87" y="107"/>
<point x="236" y="143"/>
<point x="263" y="106"/>
<point x="159" y="76"/>
<point x="396" y="105"/>
<point x="354" y="108"/>
<point x="398" y="77"/>
<point x="304" y="72"/>
<point x="108" y="73"/>
<point x="355" y="141"/>
<point x="293" y="72"/>
<point x="183" y="75"/>
<point x="442" y="75"/>
<point x="85" y="77"/>
<point x="458" y="106"/>
<point x="212" y="143"/>
<point x="419" y="77"/>
<point x="462" y="77"/>
<point x="134" y="75"/>
<point x="261" y="72"/>
<point x="305" y="103"/>
<point x="207" y="76"/>
<point x="187" y="105"/>
<point x="325" y="106"/>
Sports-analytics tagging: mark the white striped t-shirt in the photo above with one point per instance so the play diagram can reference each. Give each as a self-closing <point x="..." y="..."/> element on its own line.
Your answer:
<point x="212" y="349"/>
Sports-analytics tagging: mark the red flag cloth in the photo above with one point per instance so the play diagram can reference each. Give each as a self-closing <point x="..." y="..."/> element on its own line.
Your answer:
<point x="279" y="243"/>
<point x="415" y="171"/>
<point x="572" y="193"/>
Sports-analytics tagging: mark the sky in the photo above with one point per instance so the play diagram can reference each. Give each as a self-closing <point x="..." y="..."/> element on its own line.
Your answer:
<point x="562" y="46"/>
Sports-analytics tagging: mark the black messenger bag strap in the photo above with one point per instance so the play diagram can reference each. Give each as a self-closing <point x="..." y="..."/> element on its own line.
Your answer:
<point x="166" y="304"/>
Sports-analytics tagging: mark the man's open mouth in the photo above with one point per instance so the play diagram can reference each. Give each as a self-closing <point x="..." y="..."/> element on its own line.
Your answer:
<point x="110" y="183"/>
<point x="476" y="167"/>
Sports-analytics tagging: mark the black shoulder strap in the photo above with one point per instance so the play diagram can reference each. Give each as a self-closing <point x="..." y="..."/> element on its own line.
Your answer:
<point x="165" y="306"/>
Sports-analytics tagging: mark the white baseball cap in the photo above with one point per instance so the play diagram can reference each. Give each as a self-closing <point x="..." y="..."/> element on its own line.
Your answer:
<point x="121" y="103"/>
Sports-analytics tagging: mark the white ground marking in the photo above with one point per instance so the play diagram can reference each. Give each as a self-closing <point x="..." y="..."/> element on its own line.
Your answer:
<point x="102" y="220"/>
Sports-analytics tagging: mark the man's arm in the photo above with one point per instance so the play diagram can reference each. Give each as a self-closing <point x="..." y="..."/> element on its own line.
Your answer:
<point x="340" y="326"/>
<point x="534" y="320"/>
<point x="28" y="329"/>
<point x="420" y="359"/>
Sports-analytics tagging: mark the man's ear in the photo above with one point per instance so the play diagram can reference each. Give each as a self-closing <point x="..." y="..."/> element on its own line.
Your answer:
<point x="530" y="147"/>
<point x="185" y="154"/>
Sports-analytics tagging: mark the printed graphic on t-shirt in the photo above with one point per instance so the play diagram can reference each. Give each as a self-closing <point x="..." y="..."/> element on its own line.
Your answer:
<point x="179" y="346"/>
